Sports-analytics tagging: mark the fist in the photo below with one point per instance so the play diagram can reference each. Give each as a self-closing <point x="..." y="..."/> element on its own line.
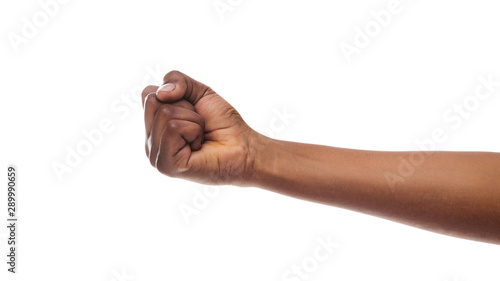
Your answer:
<point x="193" y="133"/>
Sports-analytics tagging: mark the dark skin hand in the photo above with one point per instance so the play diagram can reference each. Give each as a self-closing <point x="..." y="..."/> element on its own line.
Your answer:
<point x="194" y="134"/>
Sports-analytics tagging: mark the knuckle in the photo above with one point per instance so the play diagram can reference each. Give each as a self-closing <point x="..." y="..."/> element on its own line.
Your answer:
<point x="173" y="126"/>
<point x="172" y="74"/>
<point x="167" y="169"/>
<point x="149" y="100"/>
<point x="208" y="90"/>
<point x="167" y="111"/>
<point x="147" y="90"/>
<point x="172" y="166"/>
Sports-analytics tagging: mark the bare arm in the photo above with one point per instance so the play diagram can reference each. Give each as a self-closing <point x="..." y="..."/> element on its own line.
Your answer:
<point x="453" y="193"/>
<point x="193" y="133"/>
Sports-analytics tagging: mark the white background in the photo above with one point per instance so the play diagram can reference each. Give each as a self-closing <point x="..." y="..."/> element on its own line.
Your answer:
<point x="114" y="217"/>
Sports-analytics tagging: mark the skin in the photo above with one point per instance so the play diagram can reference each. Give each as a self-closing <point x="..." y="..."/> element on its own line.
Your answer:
<point x="194" y="134"/>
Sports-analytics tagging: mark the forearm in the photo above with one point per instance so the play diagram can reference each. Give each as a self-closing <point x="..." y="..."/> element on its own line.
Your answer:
<point x="454" y="193"/>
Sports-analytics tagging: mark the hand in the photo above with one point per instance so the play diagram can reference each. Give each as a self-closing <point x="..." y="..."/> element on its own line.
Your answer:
<point x="193" y="133"/>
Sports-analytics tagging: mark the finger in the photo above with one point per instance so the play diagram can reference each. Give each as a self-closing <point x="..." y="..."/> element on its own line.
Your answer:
<point x="151" y="105"/>
<point x="179" y="139"/>
<point x="164" y="114"/>
<point x="184" y="104"/>
<point x="152" y="89"/>
<point x="183" y="110"/>
<point x="177" y="86"/>
<point x="149" y="89"/>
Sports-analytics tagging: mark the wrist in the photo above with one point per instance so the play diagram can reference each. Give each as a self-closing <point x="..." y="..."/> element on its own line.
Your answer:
<point x="262" y="156"/>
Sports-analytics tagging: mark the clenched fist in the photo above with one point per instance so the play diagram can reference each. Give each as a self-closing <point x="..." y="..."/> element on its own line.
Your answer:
<point x="193" y="133"/>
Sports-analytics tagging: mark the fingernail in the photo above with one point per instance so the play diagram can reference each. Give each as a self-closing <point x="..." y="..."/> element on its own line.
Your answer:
<point x="166" y="88"/>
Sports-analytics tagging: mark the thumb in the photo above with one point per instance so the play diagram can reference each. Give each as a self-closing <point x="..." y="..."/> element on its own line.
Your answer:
<point x="177" y="86"/>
